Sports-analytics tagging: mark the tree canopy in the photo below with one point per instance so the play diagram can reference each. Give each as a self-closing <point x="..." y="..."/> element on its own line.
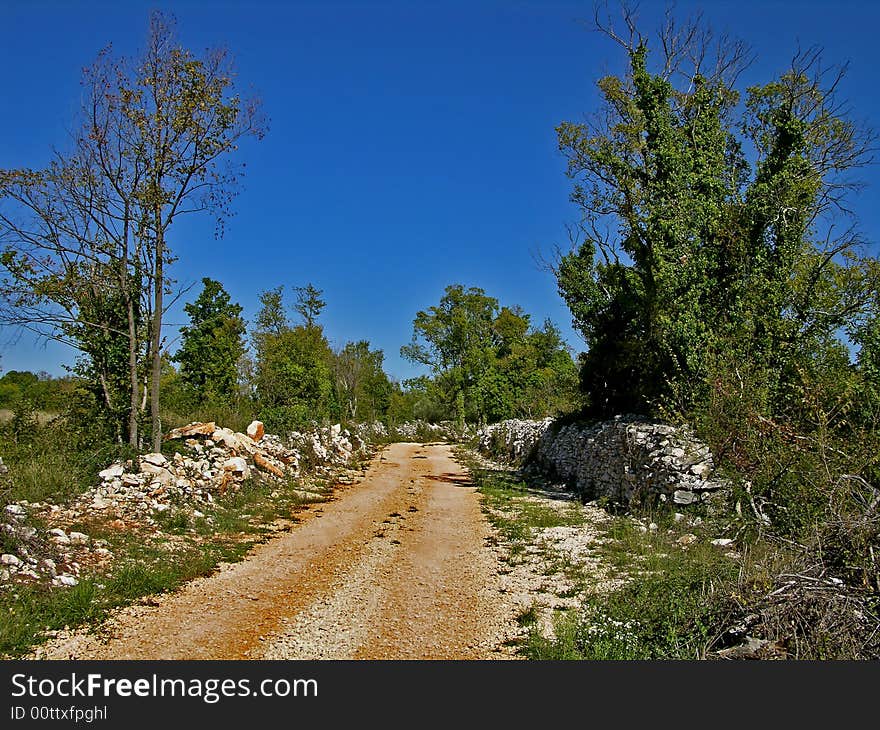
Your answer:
<point x="708" y="234"/>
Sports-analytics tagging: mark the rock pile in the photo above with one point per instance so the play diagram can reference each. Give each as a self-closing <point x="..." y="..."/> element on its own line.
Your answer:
<point x="212" y="461"/>
<point x="217" y="460"/>
<point x="45" y="555"/>
<point x="423" y="430"/>
<point x="626" y="459"/>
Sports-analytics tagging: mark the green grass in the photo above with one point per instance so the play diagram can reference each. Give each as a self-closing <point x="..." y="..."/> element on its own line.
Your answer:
<point x="145" y="565"/>
<point x="673" y="611"/>
<point x="26" y="612"/>
<point x="672" y="603"/>
<point x="511" y="508"/>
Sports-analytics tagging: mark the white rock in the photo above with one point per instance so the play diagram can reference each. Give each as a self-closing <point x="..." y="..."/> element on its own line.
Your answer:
<point x="155" y="459"/>
<point x="66" y="580"/>
<point x="48" y="565"/>
<point x="112" y="472"/>
<point x="15" y="509"/>
<point x="78" y="538"/>
<point x="237" y="465"/>
<point x="9" y="559"/>
<point x="722" y="542"/>
<point x="701" y="470"/>
<point x="256" y="430"/>
<point x="683" y="496"/>
<point x="56" y="532"/>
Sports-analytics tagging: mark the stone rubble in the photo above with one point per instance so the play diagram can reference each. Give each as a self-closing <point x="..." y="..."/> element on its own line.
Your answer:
<point x="212" y="461"/>
<point x="52" y="556"/>
<point x="627" y="459"/>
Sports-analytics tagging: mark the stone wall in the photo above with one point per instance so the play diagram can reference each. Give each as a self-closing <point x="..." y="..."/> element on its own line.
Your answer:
<point x="627" y="459"/>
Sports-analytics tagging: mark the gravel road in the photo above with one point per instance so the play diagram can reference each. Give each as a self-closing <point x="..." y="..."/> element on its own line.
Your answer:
<point x="396" y="567"/>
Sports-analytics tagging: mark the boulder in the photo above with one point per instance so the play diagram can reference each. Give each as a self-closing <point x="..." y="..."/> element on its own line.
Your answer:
<point x="112" y="472"/>
<point x="256" y="430"/>
<point x="193" y="429"/>
<point x="238" y="466"/>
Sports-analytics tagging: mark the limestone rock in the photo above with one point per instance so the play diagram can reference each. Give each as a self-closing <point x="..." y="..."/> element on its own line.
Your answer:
<point x="256" y="430"/>
<point x="154" y="460"/>
<point x="238" y="466"/>
<point x="112" y="472"/>
<point x="193" y="429"/>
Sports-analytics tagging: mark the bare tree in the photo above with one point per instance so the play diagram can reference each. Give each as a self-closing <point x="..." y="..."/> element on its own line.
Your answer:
<point x="155" y="142"/>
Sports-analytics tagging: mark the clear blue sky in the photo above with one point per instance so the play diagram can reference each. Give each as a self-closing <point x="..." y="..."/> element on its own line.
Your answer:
<point x="411" y="146"/>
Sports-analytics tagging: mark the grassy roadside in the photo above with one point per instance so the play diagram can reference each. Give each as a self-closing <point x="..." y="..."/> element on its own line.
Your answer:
<point x="670" y="590"/>
<point x="184" y="545"/>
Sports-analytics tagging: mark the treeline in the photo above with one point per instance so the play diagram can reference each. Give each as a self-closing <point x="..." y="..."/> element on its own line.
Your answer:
<point x="285" y="372"/>
<point x="35" y="391"/>
<point x="488" y="363"/>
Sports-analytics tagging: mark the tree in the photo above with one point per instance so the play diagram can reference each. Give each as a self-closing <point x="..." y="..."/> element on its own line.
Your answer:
<point x="455" y="339"/>
<point x="362" y="386"/>
<point x="293" y="370"/>
<point x="187" y="119"/>
<point x="90" y="234"/>
<point x="487" y="361"/>
<point x="309" y="304"/>
<point x="212" y="343"/>
<point x="689" y="255"/>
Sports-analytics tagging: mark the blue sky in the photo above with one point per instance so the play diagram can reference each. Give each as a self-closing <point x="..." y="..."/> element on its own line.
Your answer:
<point x="411" y="144"/>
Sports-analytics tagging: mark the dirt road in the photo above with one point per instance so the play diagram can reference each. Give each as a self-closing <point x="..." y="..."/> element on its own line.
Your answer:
<point x="396" y="567"/>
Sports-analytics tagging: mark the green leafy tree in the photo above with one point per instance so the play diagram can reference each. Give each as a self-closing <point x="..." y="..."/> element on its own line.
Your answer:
<point x="688" y="255"/>
<point x="488" y="362"/>
<point x="212" y="344"/>
<point x="309" y="304"/>
<point x="293" y="372"/>
<point x="362" y="386"/>
<point x="455" y="339"/>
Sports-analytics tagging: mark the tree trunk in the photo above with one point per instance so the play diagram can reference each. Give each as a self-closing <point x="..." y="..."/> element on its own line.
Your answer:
<point x="132" y="341"/>
<point x="159" y="284"/>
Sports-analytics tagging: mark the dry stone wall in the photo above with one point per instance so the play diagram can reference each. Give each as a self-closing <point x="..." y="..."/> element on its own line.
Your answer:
<point x="627" y="459"/>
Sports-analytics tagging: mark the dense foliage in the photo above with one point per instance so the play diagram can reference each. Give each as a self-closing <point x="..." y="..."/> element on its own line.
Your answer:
<point x="719" y="279"/>
<point x="488" y="362"/>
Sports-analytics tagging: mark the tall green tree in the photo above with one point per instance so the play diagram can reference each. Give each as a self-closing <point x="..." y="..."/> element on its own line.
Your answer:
<point x="309" y="304"/>
<point x="212" y="343"/>
<point x="294" y="368"/>
<point x="487" y="360"/>
<point x="702" y="233"/>
<point x="362" y="387"/>
<point x="455" y="339"/>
